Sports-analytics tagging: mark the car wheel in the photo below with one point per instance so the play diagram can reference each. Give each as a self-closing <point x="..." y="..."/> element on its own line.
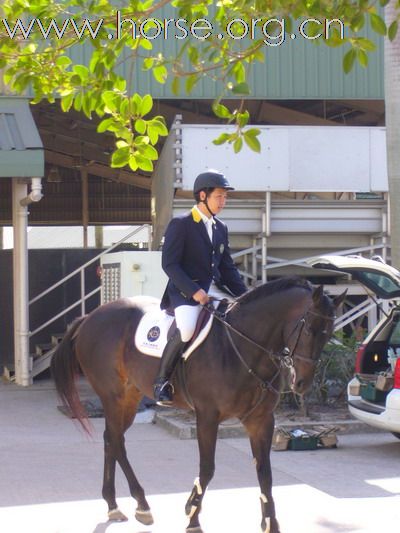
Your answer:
<point x="397" y="435"/>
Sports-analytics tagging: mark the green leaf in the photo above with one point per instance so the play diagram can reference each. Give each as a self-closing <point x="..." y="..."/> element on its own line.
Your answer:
<point x="358" y="22"/>
<point x="109" y="98"/>
<point x="242" y="119"/>
<point x="148" y="63"/>
<point x="252" y="142"/>
<point x="104" y="125"/>
<point x="63" y="61"/>
<point x="377" y="24"/>
<point x="237" y="145"/>
<point x="362" y="58"/>
<point x="221" y="139"/>
<point x="66" y="102"/>
<point x="348" y="60"/>
<point x="159" y="127"/>
<point x="144" y="163"/>
<point x="160" y="73"/>
<point x="392" y="32"/>
<point x="252" y="132"/>
<point x="384" y="3"/>
<point x="140" y="126"/>
<point x="81" y="71"/>
<point x="366" y="44"/>
<point x="221" y="111"/>
<point x="175" y="85"/>
<point x="149" y="152"/>
<point x="120" y="157"/>
<point x="241" y="88"/>
<point x="191" y="82"/>
<point x="147" y="104"/>
<point x="133" y="163"/>
<point x="153" y="134"/>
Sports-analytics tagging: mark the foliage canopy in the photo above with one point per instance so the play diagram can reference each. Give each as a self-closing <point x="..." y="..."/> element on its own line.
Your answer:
<point x="220" y="40"/>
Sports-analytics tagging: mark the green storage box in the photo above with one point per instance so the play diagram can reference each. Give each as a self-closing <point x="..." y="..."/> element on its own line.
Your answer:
<point x="303" y="443"/>
<point x="370" y="393"/>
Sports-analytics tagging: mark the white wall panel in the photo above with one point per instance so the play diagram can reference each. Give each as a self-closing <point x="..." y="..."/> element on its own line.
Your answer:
<point x="293" y="158"/>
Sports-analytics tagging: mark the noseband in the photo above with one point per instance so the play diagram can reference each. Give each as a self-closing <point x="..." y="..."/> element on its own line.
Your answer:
<point x="288" y="355"/>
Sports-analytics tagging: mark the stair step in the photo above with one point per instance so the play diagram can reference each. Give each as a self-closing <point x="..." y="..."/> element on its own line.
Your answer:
<point x="56" y="338"/>
<point x="41" y="349"/>
<point x="9" y="372"/>
<point x="42" y="363"/>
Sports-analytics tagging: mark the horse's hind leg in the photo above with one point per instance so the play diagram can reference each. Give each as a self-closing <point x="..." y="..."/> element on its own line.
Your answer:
<point x="207" y="428"/>
<point x="119" y="416"/>
<point x="261" y="430"/>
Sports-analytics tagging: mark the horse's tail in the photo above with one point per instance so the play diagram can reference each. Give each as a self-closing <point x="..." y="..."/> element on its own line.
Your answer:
<point x="64" y="369"/>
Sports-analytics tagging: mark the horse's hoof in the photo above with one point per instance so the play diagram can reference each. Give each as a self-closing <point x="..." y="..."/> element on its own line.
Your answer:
<point x="116" y="516"/>
<point x="144" y="517"/>
<point x="196" y="529"/>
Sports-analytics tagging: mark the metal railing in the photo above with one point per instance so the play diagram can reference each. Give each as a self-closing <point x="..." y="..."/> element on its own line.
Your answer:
<point x="252" y="257"/>
<point x="81" y="271"/>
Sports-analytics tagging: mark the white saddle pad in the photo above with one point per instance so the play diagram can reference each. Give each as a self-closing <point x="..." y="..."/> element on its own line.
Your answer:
<point x="152" y="330"/>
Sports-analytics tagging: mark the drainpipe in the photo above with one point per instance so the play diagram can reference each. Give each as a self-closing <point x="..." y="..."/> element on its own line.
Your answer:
<point x="36" y="192"/>
<point x="21" y="281"/>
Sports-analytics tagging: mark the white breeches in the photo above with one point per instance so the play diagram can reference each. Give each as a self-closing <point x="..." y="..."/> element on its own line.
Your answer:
<point x="187" y="315"/>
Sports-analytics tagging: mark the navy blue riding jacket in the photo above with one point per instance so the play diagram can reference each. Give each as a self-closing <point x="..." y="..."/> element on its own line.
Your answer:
<point x="192" y="262"/>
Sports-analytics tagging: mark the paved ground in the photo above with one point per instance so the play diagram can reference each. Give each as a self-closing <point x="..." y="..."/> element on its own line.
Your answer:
<point x="50" y="478"/>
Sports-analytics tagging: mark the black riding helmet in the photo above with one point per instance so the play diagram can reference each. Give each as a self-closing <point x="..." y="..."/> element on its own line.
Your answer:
<point x="212" y="179"/>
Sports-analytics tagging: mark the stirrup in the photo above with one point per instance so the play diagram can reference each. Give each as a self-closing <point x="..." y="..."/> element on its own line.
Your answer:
<point x="163" y="392"/>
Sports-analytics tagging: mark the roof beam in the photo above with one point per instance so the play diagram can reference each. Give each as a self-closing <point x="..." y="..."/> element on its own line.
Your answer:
<point x="97" y="169"/>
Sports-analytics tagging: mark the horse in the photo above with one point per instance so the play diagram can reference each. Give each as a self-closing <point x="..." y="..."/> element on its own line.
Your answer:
<point x="235" y="372"/>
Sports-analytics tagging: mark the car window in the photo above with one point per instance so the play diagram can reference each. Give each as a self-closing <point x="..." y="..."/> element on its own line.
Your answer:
<point x="378" y="281"/>
<point x="395" y="334"/>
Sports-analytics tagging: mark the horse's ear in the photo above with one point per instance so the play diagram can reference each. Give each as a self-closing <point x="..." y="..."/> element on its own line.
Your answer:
<point x="318" y="292"/>
<point x="338" y="300"/>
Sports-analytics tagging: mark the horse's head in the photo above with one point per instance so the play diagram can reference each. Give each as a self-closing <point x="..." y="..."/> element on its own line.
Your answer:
<point x="308" y="336"/>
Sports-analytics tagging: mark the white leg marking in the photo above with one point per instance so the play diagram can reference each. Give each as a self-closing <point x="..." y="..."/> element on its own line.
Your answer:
<point x="198" y="486"/>
<point x="267" y="525"/>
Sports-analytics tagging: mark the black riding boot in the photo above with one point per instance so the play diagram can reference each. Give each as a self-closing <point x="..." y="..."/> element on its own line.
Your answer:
<point x="172" y="352"/>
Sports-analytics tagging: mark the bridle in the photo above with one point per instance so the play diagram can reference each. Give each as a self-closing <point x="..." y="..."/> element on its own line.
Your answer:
<point x="285" y="358"/>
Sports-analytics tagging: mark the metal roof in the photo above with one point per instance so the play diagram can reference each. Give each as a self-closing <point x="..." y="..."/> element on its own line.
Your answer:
<point x="21" y="149"/>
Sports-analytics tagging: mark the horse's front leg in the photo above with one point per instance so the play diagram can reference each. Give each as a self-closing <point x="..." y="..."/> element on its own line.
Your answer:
<point x="260" y="430"/>
<point x="207" y="428"/>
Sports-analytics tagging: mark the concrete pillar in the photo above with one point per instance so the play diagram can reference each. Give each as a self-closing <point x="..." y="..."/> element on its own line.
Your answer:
<point x="23" y="375"/>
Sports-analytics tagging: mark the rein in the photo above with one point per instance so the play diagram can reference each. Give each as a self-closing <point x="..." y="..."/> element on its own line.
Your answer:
<point x="286" y="357"/>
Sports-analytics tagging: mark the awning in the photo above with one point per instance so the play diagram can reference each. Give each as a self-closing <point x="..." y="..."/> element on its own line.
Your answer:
<point x="21" y="149"/>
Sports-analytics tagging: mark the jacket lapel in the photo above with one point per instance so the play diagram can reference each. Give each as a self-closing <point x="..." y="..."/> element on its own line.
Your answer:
<point x="200" y="226"/>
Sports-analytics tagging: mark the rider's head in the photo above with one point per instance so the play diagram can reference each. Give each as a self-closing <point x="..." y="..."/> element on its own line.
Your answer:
<point x="210" y="188"/>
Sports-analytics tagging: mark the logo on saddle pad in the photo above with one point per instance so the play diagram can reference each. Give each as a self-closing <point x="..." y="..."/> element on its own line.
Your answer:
<point x="151" y="333"/>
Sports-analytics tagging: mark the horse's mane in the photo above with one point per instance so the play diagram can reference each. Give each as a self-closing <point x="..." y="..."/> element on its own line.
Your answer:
<point x="272" y="287"/>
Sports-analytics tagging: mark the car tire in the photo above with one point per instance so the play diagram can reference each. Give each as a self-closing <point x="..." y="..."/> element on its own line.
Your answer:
<point x="397" y="435"/>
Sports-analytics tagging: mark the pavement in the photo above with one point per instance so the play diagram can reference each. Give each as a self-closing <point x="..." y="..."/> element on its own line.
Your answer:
<point x="51" y="474"/>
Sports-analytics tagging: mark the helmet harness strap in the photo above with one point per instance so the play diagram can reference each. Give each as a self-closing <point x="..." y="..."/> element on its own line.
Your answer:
<point x="207" y="206"/>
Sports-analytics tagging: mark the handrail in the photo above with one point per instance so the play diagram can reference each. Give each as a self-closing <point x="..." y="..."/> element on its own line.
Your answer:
<point x="80" y="270"/>
<point x="68" y="276"/>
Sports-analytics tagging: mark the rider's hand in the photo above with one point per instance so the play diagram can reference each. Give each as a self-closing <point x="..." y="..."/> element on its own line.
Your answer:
<point x="201" y="296"/>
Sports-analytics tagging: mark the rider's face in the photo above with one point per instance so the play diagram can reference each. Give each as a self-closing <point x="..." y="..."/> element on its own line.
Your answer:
<point x="216" y="200"/>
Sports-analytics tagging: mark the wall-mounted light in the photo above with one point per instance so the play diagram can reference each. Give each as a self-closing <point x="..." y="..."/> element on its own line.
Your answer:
<point x="54" y="175"/>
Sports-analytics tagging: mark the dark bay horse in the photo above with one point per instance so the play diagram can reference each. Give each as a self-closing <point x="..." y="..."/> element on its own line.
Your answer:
<point x="234" y="373"/>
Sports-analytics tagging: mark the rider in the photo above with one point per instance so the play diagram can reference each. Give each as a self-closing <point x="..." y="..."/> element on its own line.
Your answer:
<point x="197" y="260"/>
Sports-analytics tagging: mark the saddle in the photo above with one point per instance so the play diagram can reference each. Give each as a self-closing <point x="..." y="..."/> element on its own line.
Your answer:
<point x="157" y="326"/>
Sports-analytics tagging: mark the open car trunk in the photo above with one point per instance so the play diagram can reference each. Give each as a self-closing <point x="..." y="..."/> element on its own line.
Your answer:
<point x="377" y="356"/>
